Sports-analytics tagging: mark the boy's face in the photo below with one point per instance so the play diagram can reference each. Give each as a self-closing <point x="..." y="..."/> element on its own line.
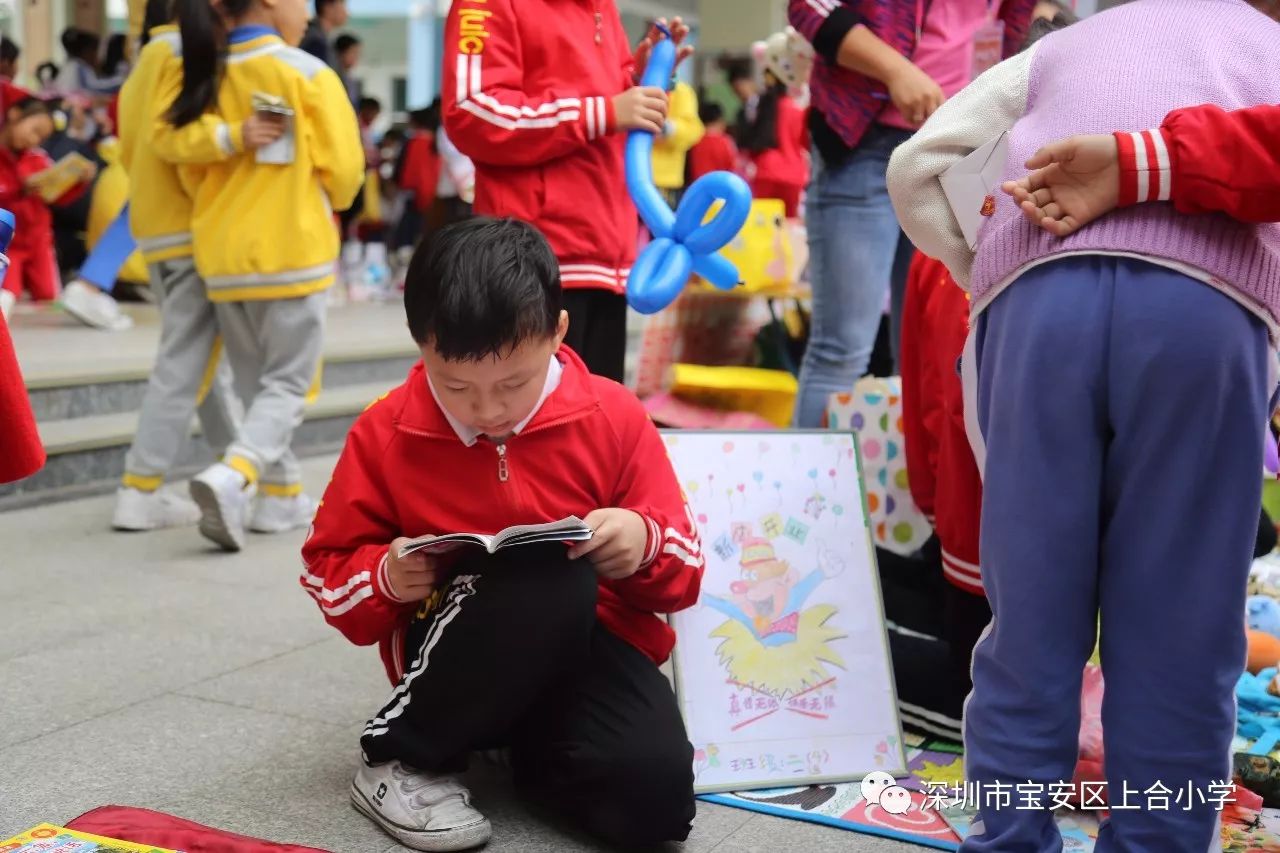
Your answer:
<point x="493" y="395"/>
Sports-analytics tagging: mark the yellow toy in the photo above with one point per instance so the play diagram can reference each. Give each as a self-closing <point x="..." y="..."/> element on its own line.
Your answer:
<point x="763" y="251"/>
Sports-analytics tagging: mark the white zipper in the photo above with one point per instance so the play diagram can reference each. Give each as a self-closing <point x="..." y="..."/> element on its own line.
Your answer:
<point x="502" y="462"/>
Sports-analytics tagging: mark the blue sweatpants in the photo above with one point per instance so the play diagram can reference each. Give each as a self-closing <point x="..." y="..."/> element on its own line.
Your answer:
<point x="1123" y="407"/>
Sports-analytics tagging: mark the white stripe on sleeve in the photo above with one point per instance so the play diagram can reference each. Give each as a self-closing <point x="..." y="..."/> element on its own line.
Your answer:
<point x="1164" y="166"/>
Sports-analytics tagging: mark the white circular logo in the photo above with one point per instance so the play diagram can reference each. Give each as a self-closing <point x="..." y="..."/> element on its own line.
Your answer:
<point x="873" y="784"/>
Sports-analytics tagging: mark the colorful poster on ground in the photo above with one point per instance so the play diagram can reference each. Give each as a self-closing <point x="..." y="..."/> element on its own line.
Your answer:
<point x="782" y="667"/>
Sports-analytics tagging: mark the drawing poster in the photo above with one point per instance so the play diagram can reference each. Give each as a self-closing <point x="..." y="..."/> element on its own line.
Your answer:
<point x="782" y="667"/>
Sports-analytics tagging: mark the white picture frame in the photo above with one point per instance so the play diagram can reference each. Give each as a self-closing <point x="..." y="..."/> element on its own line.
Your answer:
<point x="782" y="668"/>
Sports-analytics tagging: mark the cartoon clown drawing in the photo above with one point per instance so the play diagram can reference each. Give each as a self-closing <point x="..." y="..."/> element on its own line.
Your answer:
<point x="770" y="640"/>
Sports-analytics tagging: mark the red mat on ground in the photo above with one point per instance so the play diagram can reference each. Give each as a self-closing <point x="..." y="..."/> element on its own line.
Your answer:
<point x="143" y="826"/>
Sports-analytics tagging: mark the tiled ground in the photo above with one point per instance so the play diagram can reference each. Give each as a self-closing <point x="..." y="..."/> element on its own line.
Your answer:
<point x="149" y="670"/>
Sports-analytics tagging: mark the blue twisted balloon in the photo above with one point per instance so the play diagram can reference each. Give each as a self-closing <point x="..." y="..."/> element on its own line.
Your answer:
<point x="684" y="241"/>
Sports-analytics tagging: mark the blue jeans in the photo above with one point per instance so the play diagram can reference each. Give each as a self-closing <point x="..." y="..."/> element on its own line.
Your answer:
<point x="853" y="241"/>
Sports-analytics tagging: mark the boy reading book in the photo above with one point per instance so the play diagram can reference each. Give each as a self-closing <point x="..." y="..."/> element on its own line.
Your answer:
<point x="548" y="649"/>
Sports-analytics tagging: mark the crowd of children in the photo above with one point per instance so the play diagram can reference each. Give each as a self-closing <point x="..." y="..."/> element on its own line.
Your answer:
<point x="1086" y="391"/>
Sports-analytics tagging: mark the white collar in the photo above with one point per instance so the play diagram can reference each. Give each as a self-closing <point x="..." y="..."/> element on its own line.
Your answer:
<point x="469" y="436"/>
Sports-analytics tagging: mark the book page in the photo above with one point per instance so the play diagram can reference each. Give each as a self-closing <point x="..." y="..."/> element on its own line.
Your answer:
<point x="52" y="183"/>
<point x="571" y="529"/>
<point x="445" y="543"/>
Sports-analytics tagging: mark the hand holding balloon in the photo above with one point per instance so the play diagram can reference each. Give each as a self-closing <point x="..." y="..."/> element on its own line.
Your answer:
<point x="684" y="241"/>
<point x="641" y="108"/>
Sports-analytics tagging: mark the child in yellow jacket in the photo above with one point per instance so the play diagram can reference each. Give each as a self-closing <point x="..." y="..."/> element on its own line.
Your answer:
<point x="264" y="237"/>
<point x="186" y="375"/>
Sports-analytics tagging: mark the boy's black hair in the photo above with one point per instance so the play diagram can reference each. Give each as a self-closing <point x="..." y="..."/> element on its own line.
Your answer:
<point x="368" y="103"/>
<point x="345" y="42"/>
<point x="9" y="50"/>
<point x="482" y="287"/>
<point x="81" y="44"/>
<point x="709" y="112"/>
<point x="321" y="4"/>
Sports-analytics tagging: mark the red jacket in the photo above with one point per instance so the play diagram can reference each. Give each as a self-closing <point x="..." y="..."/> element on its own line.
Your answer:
<point x="788" y="163"/>
<point x="528" y="97"/>
<point x="21" y="453"/>
<point x="715" y="152"/>
<point x="941" y="470"/>
<point x="590" y="446"/>
<point x="420" y="169"/>
<point x="34" y="266"/>
<point x="1216" y="161"/>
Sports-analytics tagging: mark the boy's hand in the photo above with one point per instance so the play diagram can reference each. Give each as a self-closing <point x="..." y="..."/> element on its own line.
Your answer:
<point x="914" y="93"/>
<point x="618" y="545"/>
<point x="679" y="30"/>
<point x="414" y="577"/>
<point x="261" y="129"/>
<point x="1075" y="181"/>
<point x="641" y="108"/>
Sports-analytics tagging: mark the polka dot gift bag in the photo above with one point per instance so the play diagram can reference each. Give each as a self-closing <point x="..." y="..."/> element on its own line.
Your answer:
<point x="874" y="412"/>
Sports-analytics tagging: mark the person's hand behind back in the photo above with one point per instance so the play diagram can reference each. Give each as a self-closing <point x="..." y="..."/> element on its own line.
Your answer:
<point x="1073" y="182"/>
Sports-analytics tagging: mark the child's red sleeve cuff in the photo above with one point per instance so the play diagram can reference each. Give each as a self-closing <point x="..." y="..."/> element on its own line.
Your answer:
<point x="382" y="582"/>
<point x="653" y="544"/>
<point x="1146" y="172"/>
<point x="610" y="117"/>
<point x="597" y="117"/>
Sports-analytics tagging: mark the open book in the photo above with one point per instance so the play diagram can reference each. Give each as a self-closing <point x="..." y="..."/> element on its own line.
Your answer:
<point x="571" y="529"/>
<point x="52" y="183"/>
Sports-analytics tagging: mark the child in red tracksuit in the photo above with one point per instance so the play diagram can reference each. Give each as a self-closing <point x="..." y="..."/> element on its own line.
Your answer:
<point x="33" y="266"/>
<point x="540" y="99"/>
<point x="551" y="651"/>
<point x="945" y="484"/>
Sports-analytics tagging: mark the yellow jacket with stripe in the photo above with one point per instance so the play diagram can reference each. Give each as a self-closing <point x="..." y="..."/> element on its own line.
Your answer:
<point x="266" y="231"/>
<point x="150" y="148"/>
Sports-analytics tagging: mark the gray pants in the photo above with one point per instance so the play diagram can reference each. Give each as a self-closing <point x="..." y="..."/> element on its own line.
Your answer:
<point x="274" y="348"/>
<point x="186" y="360"/>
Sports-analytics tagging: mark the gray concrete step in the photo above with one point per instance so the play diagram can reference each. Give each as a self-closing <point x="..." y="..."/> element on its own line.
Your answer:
<point x="86" y="454"/>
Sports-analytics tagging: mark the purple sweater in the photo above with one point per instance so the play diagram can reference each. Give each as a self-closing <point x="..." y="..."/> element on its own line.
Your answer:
<point x="1143" y="59"/>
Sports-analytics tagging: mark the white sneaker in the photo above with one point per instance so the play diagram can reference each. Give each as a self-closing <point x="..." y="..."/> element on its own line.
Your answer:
<point x="422" y="811"/>
<point x="223" y="497"/>
<point x="275" y="514"/>
<point x="7" y="300"/>
<point x="94" y="308"/>
<point x="139" y="510"/>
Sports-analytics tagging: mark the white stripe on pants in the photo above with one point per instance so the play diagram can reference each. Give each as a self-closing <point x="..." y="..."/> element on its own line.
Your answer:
<point x="188" y="330"/>
<point x="274" y="348"/>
